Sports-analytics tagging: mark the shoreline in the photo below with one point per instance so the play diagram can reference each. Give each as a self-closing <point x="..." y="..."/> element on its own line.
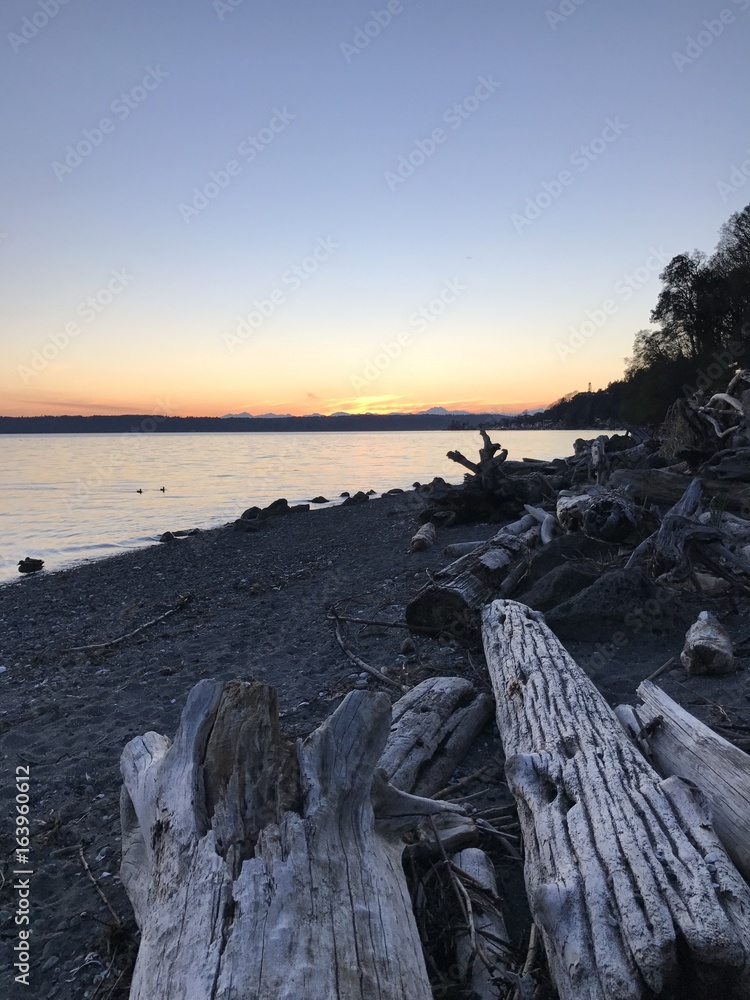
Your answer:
<point x="257" y="609"/>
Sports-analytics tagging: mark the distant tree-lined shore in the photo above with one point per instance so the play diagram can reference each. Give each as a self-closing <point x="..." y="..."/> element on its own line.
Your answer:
<point x="703" y="335"/>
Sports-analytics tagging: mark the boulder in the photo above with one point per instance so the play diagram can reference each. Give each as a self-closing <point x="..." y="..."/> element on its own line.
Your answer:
<point x="359" y="497"/>
<point x="319" y="500"/>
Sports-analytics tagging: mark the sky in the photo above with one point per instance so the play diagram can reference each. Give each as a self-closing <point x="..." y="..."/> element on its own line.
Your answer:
<point x="213" y="206"/>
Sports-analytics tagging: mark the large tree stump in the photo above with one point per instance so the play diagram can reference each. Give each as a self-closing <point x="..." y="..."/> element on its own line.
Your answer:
<point x="264" y="870"/>
<point x="617" y="861"/>
<point x="678" y="743"/>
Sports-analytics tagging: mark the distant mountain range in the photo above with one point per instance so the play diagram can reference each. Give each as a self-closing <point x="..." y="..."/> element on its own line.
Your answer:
<point x="434" y="411"/>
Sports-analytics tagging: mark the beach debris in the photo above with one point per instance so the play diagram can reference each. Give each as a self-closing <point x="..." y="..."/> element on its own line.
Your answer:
<point x="677" y="743"/>
<point x="271" y="859"/>
<point x="343" y="642"/>
<point x="708" y="648"/>
<point x="483" y="949"/>
<point x="620" y="916"/>
<point x="182" y="602"/>
<point x="424" y="539"/>
<point x="453" y="598"/>
<point x="29" y="565"/>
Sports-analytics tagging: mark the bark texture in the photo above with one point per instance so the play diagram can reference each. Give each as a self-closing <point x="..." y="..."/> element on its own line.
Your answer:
<point x="266" y="870"/>
<point x="629" y="884"/>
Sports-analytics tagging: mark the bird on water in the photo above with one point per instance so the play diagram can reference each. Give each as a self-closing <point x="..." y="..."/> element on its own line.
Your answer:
<point x="29" y="565"/>
<point x="139" y="491"/>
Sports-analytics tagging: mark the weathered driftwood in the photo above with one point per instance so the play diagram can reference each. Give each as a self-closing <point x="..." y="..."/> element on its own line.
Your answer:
<point x="664" y="487"/>
<point x="682" y="544"/>
<point x="424" y="539"/>
<point x="488" y="468"/>
<point x="433" y="728"/>
<point x="548" y="521"/>
<point x="616" y="859"/>
<point x="677" y="743"/>
<point x="483" y="948"/>
<point x="453" y="598"/>
<point x="457" y="549"/>
<point x="708" y="648"/>
<point x="269" y="871"/>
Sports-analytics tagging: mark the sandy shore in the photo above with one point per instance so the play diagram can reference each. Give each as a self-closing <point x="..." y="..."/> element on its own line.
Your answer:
<point x="257" y="610"/>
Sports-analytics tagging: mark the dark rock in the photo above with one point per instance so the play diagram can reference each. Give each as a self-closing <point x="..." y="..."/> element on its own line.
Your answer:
<point x="276" y="509"/>
<point x="371" y="493"/>
<point x="319" y="500"/>
<point x="393" y="492"/>
<point x="620" y="597"/>
<point x="299" y="507"/>
<point x="251" y="513"/>
<point x="560" y="584"/>
<point x="359" y="497"/>
<point x="168" y="536"/>
<point x="344" y="494"/>
<point x="247" y="525"/>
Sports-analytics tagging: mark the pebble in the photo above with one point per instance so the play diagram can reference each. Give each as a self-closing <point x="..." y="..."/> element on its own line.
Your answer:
<point x="50" y="963"/>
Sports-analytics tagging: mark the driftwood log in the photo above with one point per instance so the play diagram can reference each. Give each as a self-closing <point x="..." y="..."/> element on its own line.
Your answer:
<point x="266" y="870"/>
<point x="682" y="544"/>
<point x="483" y="948"/>
<point x="433" y="728"/>
<point x="677" y="743"/>
<point x="632" y="890"/>
<point x="454" y="597"/>
<point x="665" y="487"/>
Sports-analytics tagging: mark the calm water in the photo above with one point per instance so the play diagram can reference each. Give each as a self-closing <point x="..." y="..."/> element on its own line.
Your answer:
<point x="67" y="498"/>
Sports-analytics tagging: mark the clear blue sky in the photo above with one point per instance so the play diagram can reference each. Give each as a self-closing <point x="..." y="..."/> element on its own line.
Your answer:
<point x="491" y="102"/>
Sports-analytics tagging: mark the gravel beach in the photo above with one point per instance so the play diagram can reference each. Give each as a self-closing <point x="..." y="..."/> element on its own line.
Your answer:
<point x="245" y="605"/>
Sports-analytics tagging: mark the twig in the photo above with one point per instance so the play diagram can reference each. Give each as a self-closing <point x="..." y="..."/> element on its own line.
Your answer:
<point x="114" y="985"/>
<point x="661" y="670"/>
<point x="181" y="603"/>
<point x="104" y="975"/>
<point x="370" y="621"/>
<point x="358" y="662"/>
<point x="97" y="886"/>
<point x="460" y="784"/>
